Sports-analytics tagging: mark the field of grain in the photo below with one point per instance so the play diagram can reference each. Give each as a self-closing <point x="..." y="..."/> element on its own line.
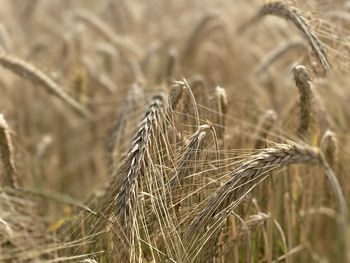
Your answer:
<point x="174" y="131"/>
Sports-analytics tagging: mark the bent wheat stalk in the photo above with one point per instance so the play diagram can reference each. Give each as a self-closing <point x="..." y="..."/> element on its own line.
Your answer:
<point x="280" y="9"/>
<point x="29" y="72"/>
<point x="278" y="53"/>
<point x="206" y="226"/>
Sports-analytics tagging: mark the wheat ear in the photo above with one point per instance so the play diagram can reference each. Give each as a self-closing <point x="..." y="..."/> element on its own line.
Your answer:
<point x="302" y="81"/>
<point x="330" y="147"/>
<point x="193" y="151"/>
<point x="120" y="198"/>
<point x="264" y="127"/>
<point x="221" y="108"/>
<point x="134" y="162"/>
<point x="171" y="66"/>
<point x="175" y="94"/>
<point x="189" y="102"/>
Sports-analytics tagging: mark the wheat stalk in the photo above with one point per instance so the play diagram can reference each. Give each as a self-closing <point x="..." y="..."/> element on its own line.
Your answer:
<point x="280" y="9"/>
<point x="277" y="53"/>
<point x="206" y="24"/>
<point x="243" y="179"/>
<point x="101" y="78"/>
<point x="5" y="41"/>
<point x="114" y="142"/>
<point x="102" y="28"/>
<point x="29" y="72"/>
<point x="9" y="175"/>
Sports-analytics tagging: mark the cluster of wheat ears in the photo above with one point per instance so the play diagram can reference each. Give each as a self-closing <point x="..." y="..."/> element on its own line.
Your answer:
<point x="174" y="131"/>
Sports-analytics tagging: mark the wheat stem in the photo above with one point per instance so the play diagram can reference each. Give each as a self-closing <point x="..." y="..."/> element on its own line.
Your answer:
<point x="243" y="179"/>
<point x="280" y="9"/>
<point x="9" y="175"/>
<point x="29" y="72"/>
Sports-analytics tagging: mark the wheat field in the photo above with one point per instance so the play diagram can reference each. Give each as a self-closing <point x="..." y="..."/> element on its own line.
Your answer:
<point x="174" y="131"/>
